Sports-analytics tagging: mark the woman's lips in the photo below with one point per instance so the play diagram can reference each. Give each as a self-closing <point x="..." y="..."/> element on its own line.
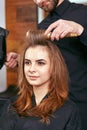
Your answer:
<point x="33" y="77"/>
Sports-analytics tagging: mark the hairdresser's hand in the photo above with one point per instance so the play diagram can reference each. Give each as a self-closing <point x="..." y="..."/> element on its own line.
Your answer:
<point x="12" y="60"/>
<point x="64" y="28"/>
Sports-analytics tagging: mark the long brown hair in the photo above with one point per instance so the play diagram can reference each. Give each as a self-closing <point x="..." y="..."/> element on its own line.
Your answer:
<point x="58" y="92"/>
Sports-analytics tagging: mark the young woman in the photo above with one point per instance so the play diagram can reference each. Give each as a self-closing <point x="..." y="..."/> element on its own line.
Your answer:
<point x="42" y="102"/>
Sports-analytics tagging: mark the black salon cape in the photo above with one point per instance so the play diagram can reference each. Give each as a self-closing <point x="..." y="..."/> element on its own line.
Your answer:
<point x="65" y="118"/>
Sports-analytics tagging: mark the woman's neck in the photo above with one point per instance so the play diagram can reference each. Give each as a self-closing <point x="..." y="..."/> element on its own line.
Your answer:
<point x="40" y="93"/>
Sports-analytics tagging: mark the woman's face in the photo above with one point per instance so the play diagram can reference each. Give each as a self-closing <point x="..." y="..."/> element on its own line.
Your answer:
<point x="46" y="5"/>
<point x="37" y="66"/>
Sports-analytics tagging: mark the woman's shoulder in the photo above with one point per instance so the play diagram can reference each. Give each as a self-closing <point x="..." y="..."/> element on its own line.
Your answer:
<point x="6" y="104"/>
<point x="68" y="108"/>
<point x="8" y="116"/>
<point x="70" y="104"/>
<point x="70" y="112"/>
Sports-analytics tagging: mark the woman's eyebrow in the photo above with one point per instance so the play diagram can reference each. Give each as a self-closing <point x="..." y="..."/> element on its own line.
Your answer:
<point x="41" y="60"/>
<point x="27" y="59"/>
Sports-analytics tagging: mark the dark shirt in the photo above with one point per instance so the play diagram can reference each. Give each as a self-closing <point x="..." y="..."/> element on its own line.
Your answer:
<point x="65" y="118"/>
<point x="3" y="34"/>
<point x="74" y="50"/>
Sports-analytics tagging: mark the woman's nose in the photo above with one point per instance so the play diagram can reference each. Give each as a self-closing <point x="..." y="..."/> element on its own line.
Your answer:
<point x="32" y="68"/>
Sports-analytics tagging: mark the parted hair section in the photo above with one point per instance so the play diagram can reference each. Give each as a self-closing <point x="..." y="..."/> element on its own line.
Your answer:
<point x="58" y="90"/>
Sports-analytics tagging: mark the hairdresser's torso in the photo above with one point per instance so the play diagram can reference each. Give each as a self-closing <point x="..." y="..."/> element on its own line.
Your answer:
<point x="74" y="50"/>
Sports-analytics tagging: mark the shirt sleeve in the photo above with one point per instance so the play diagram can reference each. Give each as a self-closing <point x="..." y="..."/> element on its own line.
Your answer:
<point x="83" y="37"/>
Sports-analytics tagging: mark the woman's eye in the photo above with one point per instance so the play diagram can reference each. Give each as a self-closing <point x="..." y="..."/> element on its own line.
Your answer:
<point x="27" y="62"/>
<point x="41" y="63"/>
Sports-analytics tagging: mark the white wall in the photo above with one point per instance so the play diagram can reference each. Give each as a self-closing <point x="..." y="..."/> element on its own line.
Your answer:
<point x="40" y="15"/>
<point x="79" y="1"/>
<point x="3" y="70"/>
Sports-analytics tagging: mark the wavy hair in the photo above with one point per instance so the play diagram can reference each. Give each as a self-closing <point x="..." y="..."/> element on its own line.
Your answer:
<point x="58" y="91"/>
